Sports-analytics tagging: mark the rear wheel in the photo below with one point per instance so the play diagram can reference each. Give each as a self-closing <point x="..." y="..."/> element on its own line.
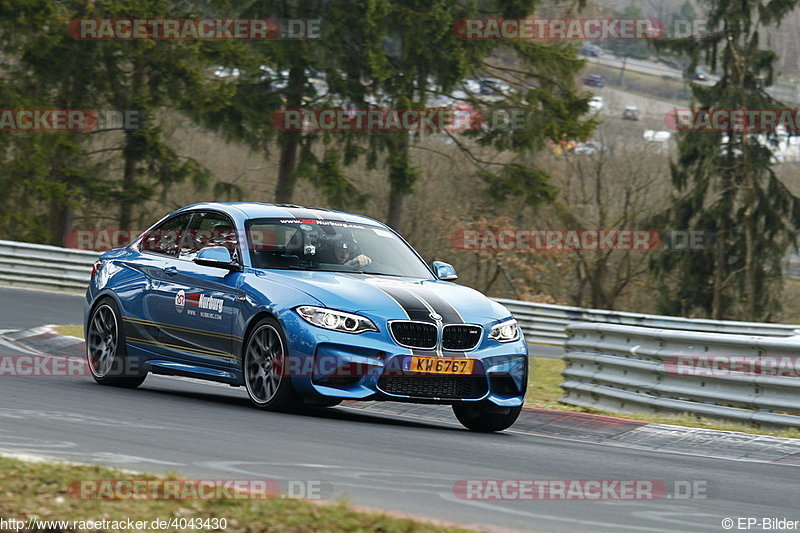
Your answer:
<point x="105" y="348"/>
<point x="266" y="382"/>
<point x="485" y="416"/>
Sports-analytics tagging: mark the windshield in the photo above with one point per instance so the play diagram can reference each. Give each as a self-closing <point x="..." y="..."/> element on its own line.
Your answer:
<point x="331" y="245"/>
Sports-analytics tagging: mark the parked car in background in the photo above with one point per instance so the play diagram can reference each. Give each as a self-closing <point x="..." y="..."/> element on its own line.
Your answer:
<point x="590" y="50"/>
<point x="596" y="103"/>
<point x="631" y="112"/>
<point x="656" y="136"/>
<point x="594" y="80"/>
<point x="700" y="75"/>
<point x="587" y="148"/>
<point x="658" y="139"/>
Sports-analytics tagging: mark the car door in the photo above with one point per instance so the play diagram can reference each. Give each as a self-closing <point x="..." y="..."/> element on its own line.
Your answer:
<point x="200" y="304"/>
<point x="158" y="248"/>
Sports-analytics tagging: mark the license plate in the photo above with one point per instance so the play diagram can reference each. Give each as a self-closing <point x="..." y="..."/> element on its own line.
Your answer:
<point x="440" y="365"/>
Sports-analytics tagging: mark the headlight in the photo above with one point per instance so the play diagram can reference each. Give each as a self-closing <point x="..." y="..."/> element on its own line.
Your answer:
<point x="505" y="331"/>
<point x="335" y="320"/>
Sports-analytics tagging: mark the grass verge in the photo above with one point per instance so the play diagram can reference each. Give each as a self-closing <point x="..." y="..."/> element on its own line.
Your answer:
<point x="70" y="330"/>
<point x="544" y="392"/>
<point x="40" y="491"/>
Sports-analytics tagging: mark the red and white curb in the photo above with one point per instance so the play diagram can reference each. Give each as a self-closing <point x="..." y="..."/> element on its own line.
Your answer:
<point x="46" y="340"/>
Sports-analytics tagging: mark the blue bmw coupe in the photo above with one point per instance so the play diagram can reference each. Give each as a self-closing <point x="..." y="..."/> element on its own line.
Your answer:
<point x="301" y="306"/>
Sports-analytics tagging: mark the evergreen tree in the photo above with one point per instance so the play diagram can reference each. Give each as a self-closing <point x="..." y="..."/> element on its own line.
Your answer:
<point x="724" y="180"/>
<point x="317" y="71"/>
<point x="424" y="56"/>
<point x="53" y="69"/>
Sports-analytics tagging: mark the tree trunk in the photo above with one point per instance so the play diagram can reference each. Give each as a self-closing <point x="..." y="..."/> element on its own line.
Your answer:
<point x="396" y="201"/>
<point x="719" y="276"/>
<point x="751" y="293"/>
<point x="599" y="297"/>
<point x="60" y="221"/>
<point x="284" y="190"/>
<point x="290" y="140"/>
<point x="128" y="184"/>
<point x="750" y="198"/>
<point x="401" y="179"/>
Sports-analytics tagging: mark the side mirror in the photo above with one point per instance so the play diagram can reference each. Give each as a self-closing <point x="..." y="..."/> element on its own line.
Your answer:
<point x="444" y="271"/>
<point x="218" y="257"/>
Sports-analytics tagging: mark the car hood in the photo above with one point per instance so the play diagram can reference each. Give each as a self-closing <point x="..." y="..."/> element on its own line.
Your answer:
<point x="393" y="297"/>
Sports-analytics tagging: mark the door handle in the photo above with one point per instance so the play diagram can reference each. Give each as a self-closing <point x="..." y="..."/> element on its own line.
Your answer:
<point x="170" y="271"/>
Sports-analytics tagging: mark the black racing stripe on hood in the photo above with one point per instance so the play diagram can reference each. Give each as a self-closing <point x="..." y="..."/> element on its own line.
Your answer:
<point x="439" y="304"/>
<point x="448" y="313"/>
<point x="415" y="309"/>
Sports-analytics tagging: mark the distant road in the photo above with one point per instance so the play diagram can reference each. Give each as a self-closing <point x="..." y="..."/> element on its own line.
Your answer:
<point x="785" y="95"/>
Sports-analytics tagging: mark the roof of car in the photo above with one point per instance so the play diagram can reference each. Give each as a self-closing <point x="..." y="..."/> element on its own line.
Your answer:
<point x="265" y="210"/>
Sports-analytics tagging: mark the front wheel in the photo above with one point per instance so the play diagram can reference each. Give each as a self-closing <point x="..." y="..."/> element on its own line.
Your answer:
<point x="263" y="363"/>
<point x="486" y="417"/>
<point x="105" y="348"/>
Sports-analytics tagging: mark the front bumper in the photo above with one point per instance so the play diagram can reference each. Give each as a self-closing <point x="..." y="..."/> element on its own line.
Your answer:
<point x="370" y="366"/>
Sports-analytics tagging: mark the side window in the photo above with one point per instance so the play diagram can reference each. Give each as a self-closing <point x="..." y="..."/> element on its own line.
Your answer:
<point x="210" y="229"/>
<point x="166" y="237"/>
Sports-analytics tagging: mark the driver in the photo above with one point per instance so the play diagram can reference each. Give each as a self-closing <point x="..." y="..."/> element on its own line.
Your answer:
<point x="346" y="252"/>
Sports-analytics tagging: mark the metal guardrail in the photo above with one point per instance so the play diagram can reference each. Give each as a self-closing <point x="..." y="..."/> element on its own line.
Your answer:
<point x="635" y="369"/>
<point x="45" y="267"/>
<point x="545" y="324"/>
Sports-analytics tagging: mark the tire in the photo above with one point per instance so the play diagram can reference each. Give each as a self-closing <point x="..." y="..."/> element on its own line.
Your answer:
<point x="486" y="417"/>
<point x="262" y="367"/>
<point x="106" y="352"/>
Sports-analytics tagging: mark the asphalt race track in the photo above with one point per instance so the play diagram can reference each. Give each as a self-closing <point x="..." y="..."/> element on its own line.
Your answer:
<point x="210" y="431"/>
<point x="29" y="308"/>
